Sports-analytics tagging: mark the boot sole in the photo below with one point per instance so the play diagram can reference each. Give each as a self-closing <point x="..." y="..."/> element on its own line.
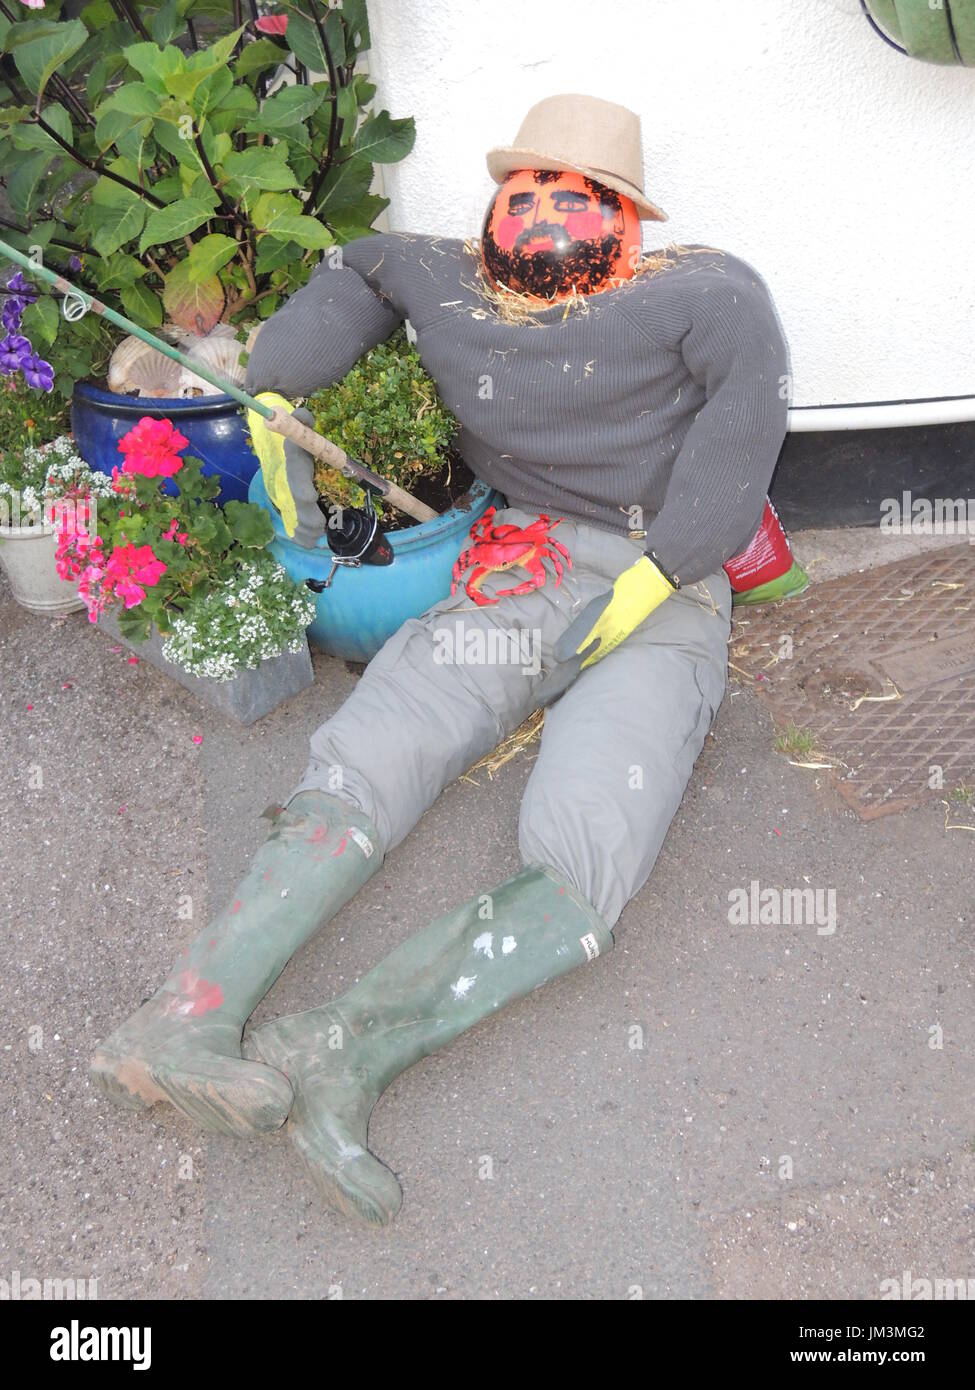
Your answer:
<point x="348" y="1203"/>
<point x="215" y="1104"/>
<point x="125" y="1081"/>
<point x="221" y="1105"/>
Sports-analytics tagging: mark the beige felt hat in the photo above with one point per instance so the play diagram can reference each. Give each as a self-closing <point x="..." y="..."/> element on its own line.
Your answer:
<point x="593" y="137"/>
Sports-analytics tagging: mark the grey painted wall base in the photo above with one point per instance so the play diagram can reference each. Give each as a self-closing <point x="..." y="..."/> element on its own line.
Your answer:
<point x="246" y="698"/>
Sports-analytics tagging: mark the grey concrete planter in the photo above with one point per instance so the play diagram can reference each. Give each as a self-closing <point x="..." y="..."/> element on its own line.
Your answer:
<point x="246" y="698"/>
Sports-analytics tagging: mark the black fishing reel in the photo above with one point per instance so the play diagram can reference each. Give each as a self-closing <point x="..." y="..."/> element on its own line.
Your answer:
<point x="354" y="537"/>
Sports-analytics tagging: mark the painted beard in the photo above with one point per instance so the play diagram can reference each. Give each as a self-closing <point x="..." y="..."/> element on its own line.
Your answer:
<point x="553" y="271"/>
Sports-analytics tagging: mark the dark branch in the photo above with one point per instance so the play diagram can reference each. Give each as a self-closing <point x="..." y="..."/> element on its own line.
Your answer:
<point x="89" y="164"/>
<point x="335" y="125"/>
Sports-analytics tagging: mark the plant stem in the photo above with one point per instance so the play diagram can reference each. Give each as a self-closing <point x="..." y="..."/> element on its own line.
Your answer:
<point x="335" y="125"/>
<point x="230" y="211"/>
<point x="57" y="82"/>
<point x="54" y="240"/>
<point x="94" y="168"/>
<point x="69" y="245"/>
<point x="132" y="15"/>
<point x="69" y="99"/>
<point x="274" y="289"/>
<point x="66" y="96"/>
<point x="147" y="256"/>
<point x="208" y="169"/>
<point x="12" y="226"/>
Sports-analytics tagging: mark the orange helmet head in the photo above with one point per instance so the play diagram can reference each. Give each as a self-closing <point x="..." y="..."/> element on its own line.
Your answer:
<point x="551" y="233"/>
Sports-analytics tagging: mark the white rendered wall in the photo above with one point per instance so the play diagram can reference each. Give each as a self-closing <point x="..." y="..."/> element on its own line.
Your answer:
<point x="784" y="131"/>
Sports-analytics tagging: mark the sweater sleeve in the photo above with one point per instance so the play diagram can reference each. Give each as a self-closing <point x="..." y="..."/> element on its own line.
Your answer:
<point x="320" y="332"/>
<point x="734" y="350"/>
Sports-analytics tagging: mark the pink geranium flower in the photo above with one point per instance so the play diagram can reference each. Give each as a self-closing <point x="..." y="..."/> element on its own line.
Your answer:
<point x="60" y="508"/>
<point x="152" y="448"/>
<point x="75" y="545"/>
<point x="132" y="569"/>
<point x="272" y="24"/>
<point x="91" y="589"/>
<point x="181" y="537"/>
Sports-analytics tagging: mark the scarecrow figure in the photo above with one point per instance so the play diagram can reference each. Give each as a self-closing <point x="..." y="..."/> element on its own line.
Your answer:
<point x="632" y="422"/>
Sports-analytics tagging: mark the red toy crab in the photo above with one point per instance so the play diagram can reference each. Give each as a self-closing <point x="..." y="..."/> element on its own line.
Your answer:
<point x="505" y="547"/>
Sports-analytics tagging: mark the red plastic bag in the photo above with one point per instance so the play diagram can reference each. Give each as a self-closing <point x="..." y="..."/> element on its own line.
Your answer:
<point x="766" y="569"/>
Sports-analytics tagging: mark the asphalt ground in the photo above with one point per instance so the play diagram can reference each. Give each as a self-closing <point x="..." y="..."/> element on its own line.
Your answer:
<point x="711" y="1111"/>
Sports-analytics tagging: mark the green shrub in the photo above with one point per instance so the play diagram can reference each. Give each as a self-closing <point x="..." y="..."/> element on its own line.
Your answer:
<point x="145" y="159"/>
<point x="386" y="413"/>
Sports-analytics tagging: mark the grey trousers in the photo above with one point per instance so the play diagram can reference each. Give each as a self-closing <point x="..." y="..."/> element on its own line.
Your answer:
<point x="617" y="748"/>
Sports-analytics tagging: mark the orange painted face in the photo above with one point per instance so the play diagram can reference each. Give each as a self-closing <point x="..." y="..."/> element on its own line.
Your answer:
<point x="550" y="233"/>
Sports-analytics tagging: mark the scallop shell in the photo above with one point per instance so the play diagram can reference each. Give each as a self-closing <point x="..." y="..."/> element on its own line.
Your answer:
<point x="136" y="369"/>
<point x="221" y="353"/>
<point x="188" y="340"/>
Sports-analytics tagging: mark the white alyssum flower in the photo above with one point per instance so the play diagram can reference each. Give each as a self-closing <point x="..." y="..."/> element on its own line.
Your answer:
<point x="47" y="472"/>
<point x="259" y="613"/>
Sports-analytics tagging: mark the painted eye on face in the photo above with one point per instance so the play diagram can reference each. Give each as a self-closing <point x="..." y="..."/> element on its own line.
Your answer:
<point x="569" y="202"/>
<point x="520" y="203"/>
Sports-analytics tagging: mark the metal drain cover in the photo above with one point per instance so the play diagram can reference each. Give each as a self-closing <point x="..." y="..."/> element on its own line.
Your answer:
<point x="880" y="668"/>
<point x="921" y="664"/>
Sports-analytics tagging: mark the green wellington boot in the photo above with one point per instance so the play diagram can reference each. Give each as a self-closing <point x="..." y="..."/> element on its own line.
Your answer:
<point x="461" y="968"/>
<point x="183" y="1045"/>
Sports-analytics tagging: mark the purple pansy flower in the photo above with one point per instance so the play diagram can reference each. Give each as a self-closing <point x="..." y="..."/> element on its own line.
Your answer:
<point x="12" y="313"/>
<point x="22" y="287"/>
<point x="37" y="373"/>
<point x="14" y="351"/>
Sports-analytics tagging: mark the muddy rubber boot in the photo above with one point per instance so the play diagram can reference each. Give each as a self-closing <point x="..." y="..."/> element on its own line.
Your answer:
<point x="461" y="968"/>
<point x="183" y="1045"/>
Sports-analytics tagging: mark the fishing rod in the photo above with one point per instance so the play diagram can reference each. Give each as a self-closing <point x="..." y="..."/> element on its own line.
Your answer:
<point x="78" y="302"/>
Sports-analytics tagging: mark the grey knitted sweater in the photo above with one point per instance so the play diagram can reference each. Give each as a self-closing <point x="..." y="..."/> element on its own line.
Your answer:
<point x="654" y="407"/>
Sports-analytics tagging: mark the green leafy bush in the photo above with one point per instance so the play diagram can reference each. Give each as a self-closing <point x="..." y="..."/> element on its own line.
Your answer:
<point x="386" y="412"/>
<point x="179" y="163"/>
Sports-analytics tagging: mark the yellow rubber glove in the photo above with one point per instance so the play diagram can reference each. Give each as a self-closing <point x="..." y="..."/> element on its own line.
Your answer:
<point x="606" y="621"/>
<point x="288" y="472"/>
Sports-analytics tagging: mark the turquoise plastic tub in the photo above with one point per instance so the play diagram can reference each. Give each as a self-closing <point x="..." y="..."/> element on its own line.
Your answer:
<point x="363" y="607"/>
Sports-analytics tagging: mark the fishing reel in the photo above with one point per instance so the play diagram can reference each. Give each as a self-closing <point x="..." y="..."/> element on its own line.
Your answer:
<point x="354" y="537"/>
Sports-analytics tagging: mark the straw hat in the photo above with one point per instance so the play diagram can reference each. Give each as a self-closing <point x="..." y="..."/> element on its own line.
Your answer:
<point x="592" y="137"/>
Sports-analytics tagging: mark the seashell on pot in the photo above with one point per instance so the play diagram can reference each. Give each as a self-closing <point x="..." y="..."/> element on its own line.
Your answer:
<point x="187" y="340"/>
<point x="222" y="355"/>
<point x="136" y="369"/>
